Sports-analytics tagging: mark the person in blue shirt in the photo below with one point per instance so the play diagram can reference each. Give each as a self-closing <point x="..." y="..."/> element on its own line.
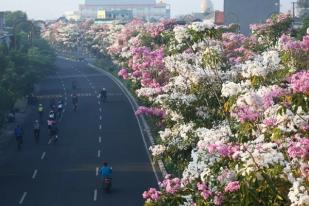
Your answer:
<point x="106" y="171"/>
<point x="19" y="136"/>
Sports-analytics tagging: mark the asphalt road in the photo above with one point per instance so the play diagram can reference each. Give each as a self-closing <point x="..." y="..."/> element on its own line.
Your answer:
<point x="65" y="173"/>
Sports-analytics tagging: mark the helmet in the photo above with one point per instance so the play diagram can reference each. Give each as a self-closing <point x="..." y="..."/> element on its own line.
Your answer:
<point x="104" y="89"/>
<point x="36" y="121"/>
<point x="40" y="105"/>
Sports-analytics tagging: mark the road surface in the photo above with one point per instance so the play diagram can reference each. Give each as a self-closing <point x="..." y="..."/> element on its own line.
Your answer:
<point x="65" y="173"/>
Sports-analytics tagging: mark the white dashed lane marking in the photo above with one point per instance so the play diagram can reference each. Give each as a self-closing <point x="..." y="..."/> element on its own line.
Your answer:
<point x="95" y="195"/>
<point x="97" y="171"/>
<point x="43" y="155"/>
<point x="99" y="153"/>
<point x="34" y="174"/>
<point x="100" y="139"/>
<point x="22" y="198"/>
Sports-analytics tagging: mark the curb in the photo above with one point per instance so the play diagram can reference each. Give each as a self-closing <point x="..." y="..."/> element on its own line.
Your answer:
<point x="144" y="127"/>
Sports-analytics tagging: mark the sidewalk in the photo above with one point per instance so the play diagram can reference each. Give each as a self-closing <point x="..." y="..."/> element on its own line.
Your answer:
<point x="7" y="132"/>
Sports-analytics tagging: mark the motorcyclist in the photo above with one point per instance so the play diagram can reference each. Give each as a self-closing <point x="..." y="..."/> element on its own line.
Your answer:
<point x="103" y="94"/>
<point x="74" y="101"/>
<point x="106" y="174"/>
<point x="53" y="132"/>
<point x="60" y="108"/>
<point x="36" y="130"/>
<point x="50" y="123"/>
<point x="74" y="87"/>
<point x="52" y="104"/>
<point x="19" y="136"/>
<point x="51" y="114"/>
<point x="40" y="111"/>
<point x="106" y="171"/>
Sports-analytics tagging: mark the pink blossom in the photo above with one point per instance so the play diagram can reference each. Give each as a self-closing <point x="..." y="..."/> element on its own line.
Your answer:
<point x="205" y="192"/>
<point x="268" y="98"/>
<point x="245" y="113"/>
<point x="171" y="185"/>
<point x="152" y="194"/>
<point x="218" y="199"/>
<point x="123" y="73"/>
<point x="150" y="111"/>
<point x="232" y="187"/>
<point x="270" y="122"/>
<point x="300" y="148"/>
<point x="300" y="81"/>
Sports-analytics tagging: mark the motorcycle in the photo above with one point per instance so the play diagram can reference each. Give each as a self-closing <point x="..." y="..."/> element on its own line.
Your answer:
<point x="107" y="184"/>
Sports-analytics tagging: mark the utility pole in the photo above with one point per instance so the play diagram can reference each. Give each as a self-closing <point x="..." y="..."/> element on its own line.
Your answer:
<point x="293" y="14"/>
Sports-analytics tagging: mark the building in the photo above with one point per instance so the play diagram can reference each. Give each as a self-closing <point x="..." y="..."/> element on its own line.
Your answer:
<point x="143" y="9"/>
<point x="246" y="12"/>
<point x="5" y="36"/>
<point x="2" y="21"/>
<point x="72" y="15"/>
<point x="207" y="11"/>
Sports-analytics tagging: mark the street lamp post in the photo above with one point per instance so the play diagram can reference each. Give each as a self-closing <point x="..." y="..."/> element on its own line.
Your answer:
<point x="293" y="11"/>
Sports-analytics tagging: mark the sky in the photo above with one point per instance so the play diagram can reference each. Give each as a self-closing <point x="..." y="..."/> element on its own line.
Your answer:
<point x="51" y="9"/>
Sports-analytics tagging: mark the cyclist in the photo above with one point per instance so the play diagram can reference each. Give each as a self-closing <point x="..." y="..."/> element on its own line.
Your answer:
<point x="36" y="130"/>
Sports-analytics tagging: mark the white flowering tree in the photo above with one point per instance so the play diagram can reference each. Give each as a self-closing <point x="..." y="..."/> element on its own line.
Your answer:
<point x="232" y="110"/>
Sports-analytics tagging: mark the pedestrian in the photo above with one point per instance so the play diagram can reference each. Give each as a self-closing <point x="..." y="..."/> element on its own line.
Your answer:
<point x="19" y="136"/>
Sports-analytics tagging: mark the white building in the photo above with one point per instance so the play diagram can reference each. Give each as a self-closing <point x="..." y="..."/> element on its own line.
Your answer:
<point x="144" y="9"/>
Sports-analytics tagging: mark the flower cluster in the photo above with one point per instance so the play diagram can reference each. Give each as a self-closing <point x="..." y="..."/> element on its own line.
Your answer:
<point x="231" y="110"/>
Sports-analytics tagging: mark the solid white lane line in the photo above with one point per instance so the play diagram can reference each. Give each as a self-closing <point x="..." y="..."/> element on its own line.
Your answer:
<point x="97" y="171"/>
<point x="95" y="195"/>
<point x="99" y="153"/>
<point x="100" y="139"/>
<point x="43" y="155"/>
<point x="34" y="174"/>
<point x="22" y="198"/>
